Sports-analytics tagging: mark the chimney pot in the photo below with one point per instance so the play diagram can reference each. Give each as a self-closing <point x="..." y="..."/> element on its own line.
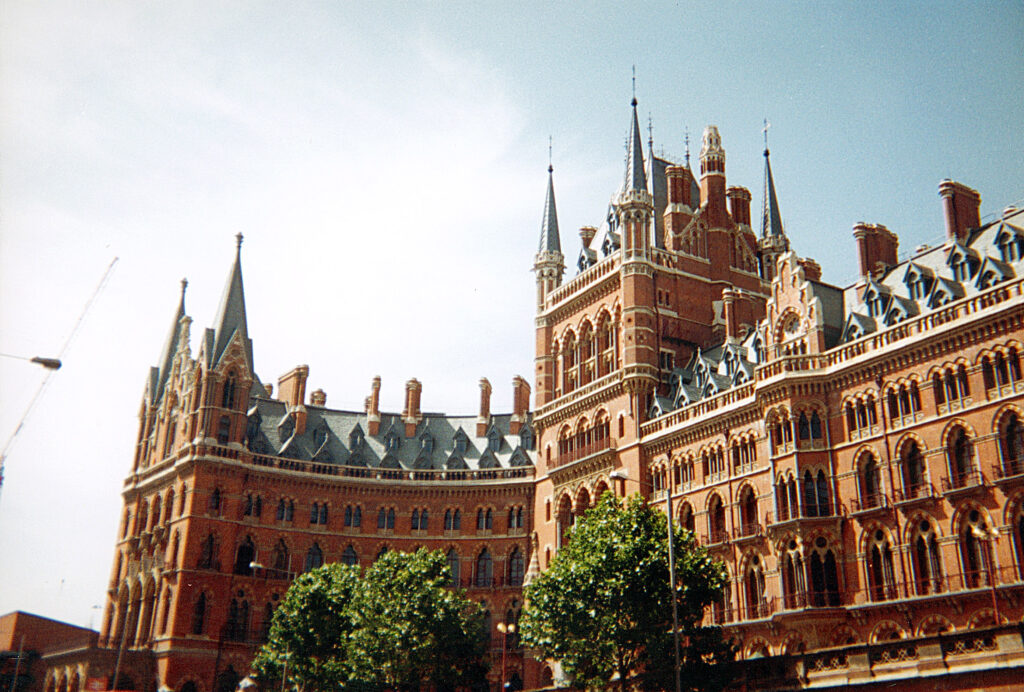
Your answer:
<point x="961" y="205"/>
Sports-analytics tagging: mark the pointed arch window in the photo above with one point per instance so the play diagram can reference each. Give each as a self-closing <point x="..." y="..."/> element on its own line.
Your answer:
<point x="793" y="584"/>
<point x="824" y="575"/>
<point x="716" y="520"/>
<point x="238" y="621"/>
<point x="206" y="552"/>
<point x="516" y="568"/>
<point x="215" y="501"/>
<point x="927" y="561"/>
<point x="881" y="577"/>
<point x="913" y="470"/>
<point x="757" y="602"/>
<point x="868" y="480"/>
<point x="224" y="430"/>
<point x="314" y="557"/>
<point x="280" y="559"/>
<point x="349" y="557"/>
<point x="227" y="399"/>
<point x="960" y="453"/>
<point x="244" y="557"/>
<point x="976" y="550"/>
<point x="1011" y="445"/>
<point x="453" y="566"/>
<point x="484" y="569"/>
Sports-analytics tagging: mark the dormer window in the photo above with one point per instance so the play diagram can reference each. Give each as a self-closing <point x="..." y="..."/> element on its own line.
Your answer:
<point x="526" y="437"/>
<point x="320" y="434"/>
<point x="426" y="443"/>
<point x="1011" y="246"/>
<point x="392" y="441"/>
<point x="493" y="440"/>
<point x="461" y="442"/>
<point x="356" y="439"/>
<point x="286" y="427"/>
<point x="961" y="263"/>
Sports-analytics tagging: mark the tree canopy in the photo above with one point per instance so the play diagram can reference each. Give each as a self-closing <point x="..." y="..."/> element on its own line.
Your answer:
<point x="603" y="606"/>
<point x="397" y="625"/>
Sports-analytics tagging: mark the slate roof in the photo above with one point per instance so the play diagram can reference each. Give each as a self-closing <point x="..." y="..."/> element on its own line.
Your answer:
<point x="340" y="437"/>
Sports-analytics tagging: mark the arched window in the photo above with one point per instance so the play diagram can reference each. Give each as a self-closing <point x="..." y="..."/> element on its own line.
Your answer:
<point x="348" y="515"/>
<point x="716" y="520"/>
<point x="959" y="453"/>
<point x="976" y="550"/>
<point x="516" y="568"/>
<point x="804" y="426"/>
<point x="453" y="566"/>
<point x="757" y="603"/>
<point x="881" y="578"/>
<point x="867" y="475"/>
<point x="314" y="557"/>
<point x="824" y="506"/>
<point x="793" y="586"/>
<point x="912" y="467"/>
<point x="227" y="399"/>
<point x="782" y="499"/>
<point x="927" y="560"/>
<point x="824" y="575"/>
<point x="244" y="557"/>
<point x="199" y="615"/>
<point x="415" y="523"/>
<point x="484" y="569"/>
<point x="686" y="519"/>
<point x="314" y="513"/>
<point x="1011" y="445"/>
<point x="224" y="430"/>
<point x="391" y="518"/>
<point x="810" y="495"/>
<point x="357" y="516"/>
<point x="206" y="553"/>
<point x="748" y="512"/>
<point x="349" y="557"/>
<point x="215" y="502"/>
<point x="238" y="621"/>
<point x="382" y="518"/>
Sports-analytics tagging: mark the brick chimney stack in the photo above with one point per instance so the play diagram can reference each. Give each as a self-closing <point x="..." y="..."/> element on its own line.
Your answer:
<point x="961" y="205"/>
<point x="679" y="210"/>
<point x="373" y="408"/>
<point x="587" y="234"/>
<point x="411" y="415"/>
<point x="291" y="389"/>
<point x="812" y="270"/>
<point x="876" y="246"/>
<point x="520" y="404"/>
<point x="739" y="204"/>
<point x="318" y="398"/>
<point x="680" y="186"/>
<point x="740" y="312"/>
<point x="483" y="420"/>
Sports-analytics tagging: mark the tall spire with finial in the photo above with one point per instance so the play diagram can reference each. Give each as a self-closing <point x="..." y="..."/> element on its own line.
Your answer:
<point x="163" y="372"/>
<point x="636" y="177"/>
<point x="231" y="319"/>
<point x="549" y="264"/>
<point x="686" y="139"/>
<point x="771" y="219"/>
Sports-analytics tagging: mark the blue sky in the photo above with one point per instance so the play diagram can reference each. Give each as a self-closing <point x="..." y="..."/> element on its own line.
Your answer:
<point x="386" y="163"/>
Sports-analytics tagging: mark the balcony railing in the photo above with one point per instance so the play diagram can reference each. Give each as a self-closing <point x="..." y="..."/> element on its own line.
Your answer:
<point x="963" y="481"/>
<point x="751" y="529"/>
<point x="585" y="450"/>
<point x="912" y="493"/>
<point x="869" y="502"/>
<point x="1010" y="468"/>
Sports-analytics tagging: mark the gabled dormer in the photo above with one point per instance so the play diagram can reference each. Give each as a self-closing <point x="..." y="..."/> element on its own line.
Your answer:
<point x="992" y="272"/>
<point x="427" y="443"/>
<point x="899" y="310"/>
<point x="488" y="460"/>
<point x="356" y="438"/>
<point x="455" y="462"/>
<point x="876" y="298"/>
<point x="320" y="434"/>
<point x="962" y="262"/>
<point x="252" y="425"/>
<point x="423" y="460"/>
<point x="918" y="280"/>
<point x="858" y="325"/>
<point x="519" y="458"/>
<point x="460" y="442"/>
<point x="286" y="427"/>
<point x="392" y="440"/>
<point x="390" y="461"/>
<point x="494" y="438"/>
<point x="944" y="291"/>
<point x="526" y="439"/>
<point x="1010" y="242"/>
<point x="660" y="405"/>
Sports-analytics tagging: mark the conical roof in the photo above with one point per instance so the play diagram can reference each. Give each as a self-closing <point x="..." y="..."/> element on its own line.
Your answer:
<point x="636" y="177"/>
<point x="549" y="238"/>
<point x="771" y="220"/>
<point x="231" y="318"/>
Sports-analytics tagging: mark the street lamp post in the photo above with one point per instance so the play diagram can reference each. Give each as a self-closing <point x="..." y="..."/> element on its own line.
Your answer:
<point x="621" y="475"/>
<point x="505" y="630"/>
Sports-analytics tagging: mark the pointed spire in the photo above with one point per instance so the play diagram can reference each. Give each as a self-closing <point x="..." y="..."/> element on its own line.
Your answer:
<point x="771" y="219"/>
<point x="636" y="177"/>
<point x="549" y="238"/>
<point x="231" y="313"/>
<point x="171" y="345"/>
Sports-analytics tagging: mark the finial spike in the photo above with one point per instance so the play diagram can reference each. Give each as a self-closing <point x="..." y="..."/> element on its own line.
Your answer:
<point x="686" y="138"/>
<point x="550" y="166"/>
<point x="238" y="237"/>
<point x="765" y="131"/>
<point x="634" y="85"/>
<point x="650" y="130"/>
<point x="184" y="285"/>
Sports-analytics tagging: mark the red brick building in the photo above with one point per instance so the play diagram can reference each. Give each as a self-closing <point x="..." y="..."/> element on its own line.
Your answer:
<point x="853" y="454"/>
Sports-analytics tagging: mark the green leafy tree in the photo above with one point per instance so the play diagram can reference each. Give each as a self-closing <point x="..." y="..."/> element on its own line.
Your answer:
<point x="309" y="634"/>
<point x="411" y="629"/>
<point x="603" y="606"/>
<point x="396" y="626"/>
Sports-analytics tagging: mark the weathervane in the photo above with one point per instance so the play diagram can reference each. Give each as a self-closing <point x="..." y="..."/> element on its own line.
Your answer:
<point x="550" y="167"/>
<point x="765" y="131"/>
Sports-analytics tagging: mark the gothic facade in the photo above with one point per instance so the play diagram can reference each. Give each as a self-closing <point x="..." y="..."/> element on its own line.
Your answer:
<point x="854" y="455"/>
